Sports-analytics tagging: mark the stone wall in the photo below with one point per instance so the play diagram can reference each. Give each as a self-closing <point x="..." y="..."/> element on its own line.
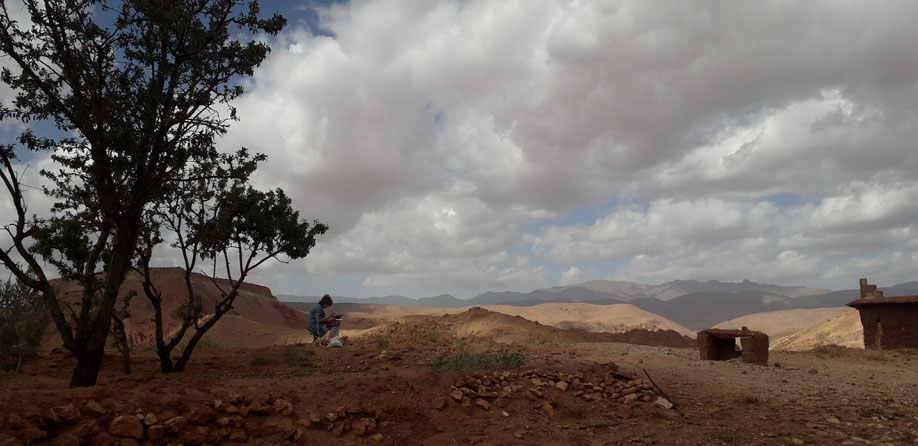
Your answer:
<point x="890" y="326"/>
<point x="720" y="344"/>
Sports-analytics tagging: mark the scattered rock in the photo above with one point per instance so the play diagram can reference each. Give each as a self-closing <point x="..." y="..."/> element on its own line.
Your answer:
<point x="664" y="403"/>
<point x="439" y="402"/>
<point x="156" y="432"/>
<point x="94" y="408"/>
<point x="126" y="426"/>
<point x="282" y="407"/>
<point x="281" y="425"/>
<point x="237" y="435"/>
<point x="201" y="415"/>
<point x="377" y="437"/>
<point x="561" y="385"/>
<point x="67" y="413"/>
<point x="546" y="407"/>
<point x="483" y="404"/>
<point x="175" y="424"/>
<point x="150" y="419"/>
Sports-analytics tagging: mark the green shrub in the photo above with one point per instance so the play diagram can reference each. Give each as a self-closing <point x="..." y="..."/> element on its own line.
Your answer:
<point x="22" y="324"/>
<point x="464" y="361"/>
<point x="298" y="355"/>
<point x="261" y="358"/>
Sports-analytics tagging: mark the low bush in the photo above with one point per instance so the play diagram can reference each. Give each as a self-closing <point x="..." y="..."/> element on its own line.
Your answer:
<point x="464" y="361"/>
<point x="23" y="321"/>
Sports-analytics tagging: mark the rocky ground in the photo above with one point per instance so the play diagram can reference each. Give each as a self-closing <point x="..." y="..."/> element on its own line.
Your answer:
<point x="381" y="388"/>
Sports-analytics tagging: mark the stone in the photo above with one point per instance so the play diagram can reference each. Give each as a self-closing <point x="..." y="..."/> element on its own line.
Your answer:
<point x="592" y="397"/>
<point x="664" y="403"/>
<point x="456" y="395"/>
<point x="833" y="420"/>
<point x="236" y="399"/>
<point x="315" y="417"/>
<point x="103" y="439"/>
<point x="126" y="426"/>
<point x="67" y="413"/>
<point x="282" y="407"/>
<point x="237" y="435"/>
<point x="338" y="429"/>
<point x="631" y="397"/>
<point x="175" y="424"/>
<point x="797" y="441"/>
<point x="193" y="437"/>
<point x="150" y="419"/>
<point x="230" y="409"/>
<point x="377" y="437"/>
<point x="67" y="439"/>
<point x="561" y="385"/>
<point x="222" y="421"/>
<point x="546" y="407"/>
<point x="281" y="425"/>
<point x="439" y="403"/>
<point x="258" y="408"/>
<point x="156" y="432"/>
<point x="201" y="415"/>
<point x="483" y="404"/>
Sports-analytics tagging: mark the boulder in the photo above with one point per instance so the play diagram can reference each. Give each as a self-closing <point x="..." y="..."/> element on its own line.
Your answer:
<point x="126" y="426"/>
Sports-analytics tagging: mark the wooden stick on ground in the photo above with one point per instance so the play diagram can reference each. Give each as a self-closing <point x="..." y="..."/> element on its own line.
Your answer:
<point x="663" y="393"/>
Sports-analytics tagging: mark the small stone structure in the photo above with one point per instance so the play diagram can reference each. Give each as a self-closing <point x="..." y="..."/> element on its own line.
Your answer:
<point x="720" y="344"/>
<point x="889" y="322"/>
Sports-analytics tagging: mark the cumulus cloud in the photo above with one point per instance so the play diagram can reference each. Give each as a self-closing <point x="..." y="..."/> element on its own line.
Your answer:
<point x="453" y="146"/>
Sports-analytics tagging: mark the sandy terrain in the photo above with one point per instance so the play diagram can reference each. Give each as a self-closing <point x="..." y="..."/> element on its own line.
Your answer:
<point x="599" y="318"/>
<point x="843" y="330"/>
<point x="381" y="389"/>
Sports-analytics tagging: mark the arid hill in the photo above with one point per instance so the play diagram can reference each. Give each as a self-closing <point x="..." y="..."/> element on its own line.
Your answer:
<point x="844" y="330"/>
<point x="589" y="317"/>
<point x="784" y="322"/>
<point x="255" y="303"/>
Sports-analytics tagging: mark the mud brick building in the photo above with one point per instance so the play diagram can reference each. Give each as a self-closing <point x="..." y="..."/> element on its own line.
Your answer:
<point x="720" y="344"/>
<point x="889" y="322"/>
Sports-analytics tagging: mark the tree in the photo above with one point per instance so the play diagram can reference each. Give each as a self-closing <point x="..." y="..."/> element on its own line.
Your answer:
<point x="137" y="88"/>
<point x="22" y="323"/>
<point x="218" y="219"/>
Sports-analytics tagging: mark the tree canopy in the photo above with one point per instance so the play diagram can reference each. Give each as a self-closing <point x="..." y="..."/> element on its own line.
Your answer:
<point x="140" y="91"/>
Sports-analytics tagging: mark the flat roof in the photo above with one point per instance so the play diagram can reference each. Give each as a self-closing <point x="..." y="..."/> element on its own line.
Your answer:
<point x="871" y="301"/>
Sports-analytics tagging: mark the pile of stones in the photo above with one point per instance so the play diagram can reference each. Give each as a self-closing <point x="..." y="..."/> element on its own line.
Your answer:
<point x="238" y="419"/>
<point x="488" y="389"/>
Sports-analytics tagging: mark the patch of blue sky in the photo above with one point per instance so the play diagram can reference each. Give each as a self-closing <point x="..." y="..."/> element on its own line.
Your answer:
<point x="785" y="200"/>
<point x="302" y="13"/>
<point x="584" y="216"/>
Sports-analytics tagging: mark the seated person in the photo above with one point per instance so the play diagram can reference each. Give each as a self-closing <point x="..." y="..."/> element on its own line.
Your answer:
<point x="320" y="324"/>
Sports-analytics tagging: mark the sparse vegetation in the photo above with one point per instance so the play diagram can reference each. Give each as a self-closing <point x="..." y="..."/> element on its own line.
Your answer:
<point x="298" y="355"/>
<point x="464" y="361"/>
<point x="22" y="324"/>
<point x="261" y="358"/>
<point x="747" y="399"/>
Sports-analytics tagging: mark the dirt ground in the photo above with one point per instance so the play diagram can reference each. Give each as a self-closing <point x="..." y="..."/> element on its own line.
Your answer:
<point x="381" y="389"/>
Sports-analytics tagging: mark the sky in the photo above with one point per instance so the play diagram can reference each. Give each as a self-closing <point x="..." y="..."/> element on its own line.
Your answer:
<point x="465" y="146"/>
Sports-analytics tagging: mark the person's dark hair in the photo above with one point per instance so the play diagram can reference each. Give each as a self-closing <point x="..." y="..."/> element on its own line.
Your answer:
<point x="326" y="300"/>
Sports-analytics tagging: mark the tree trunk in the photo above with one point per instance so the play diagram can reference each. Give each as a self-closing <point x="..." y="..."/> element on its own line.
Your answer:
<point x="120" y="338"/>
<point x="165" y="360"/>
<point x="88" y="364"/>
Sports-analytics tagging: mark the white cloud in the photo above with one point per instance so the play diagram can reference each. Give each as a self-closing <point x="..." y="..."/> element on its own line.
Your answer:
<point x="434" y="137"/>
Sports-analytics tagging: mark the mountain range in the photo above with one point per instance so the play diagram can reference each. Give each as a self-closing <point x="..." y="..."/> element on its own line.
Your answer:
<point x="694" y="304"/>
